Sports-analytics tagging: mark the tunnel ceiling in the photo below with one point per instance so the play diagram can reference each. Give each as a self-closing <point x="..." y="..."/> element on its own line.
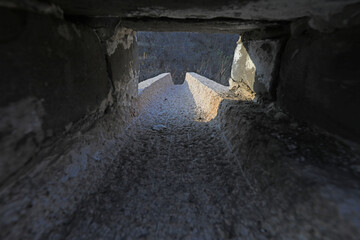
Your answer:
<point x="201" y="9"/>
<point x="226" y="16"/>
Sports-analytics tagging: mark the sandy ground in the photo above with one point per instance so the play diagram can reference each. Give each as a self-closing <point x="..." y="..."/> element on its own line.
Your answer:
<point x="174" y="180"/>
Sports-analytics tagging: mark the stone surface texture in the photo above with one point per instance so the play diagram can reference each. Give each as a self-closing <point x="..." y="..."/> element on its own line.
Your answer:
<point x="256" y="64"/>
<point x="195" y="178"/>
<point x="225" y="25"/>
<point x="317" y="195"/>
<point x="171" y="182"/>
<point x="180" y="52"/>
<point x="123" y="70"/>
<point x="319" y="79"/>
<point x="196" y="9"/>
<point x="45" y="65"/>
<point x="82" y="158"/>
<point x="66" y="99"/>
<point x="152" y="87"/>
<point x="206" y="93"/>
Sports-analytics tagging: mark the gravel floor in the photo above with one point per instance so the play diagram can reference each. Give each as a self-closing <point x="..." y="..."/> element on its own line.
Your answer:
<point x="173" y="180"/>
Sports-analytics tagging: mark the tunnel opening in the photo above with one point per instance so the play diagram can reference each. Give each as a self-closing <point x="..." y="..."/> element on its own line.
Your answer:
<point x="91" y="148"/>
<point x="209" y="54"/>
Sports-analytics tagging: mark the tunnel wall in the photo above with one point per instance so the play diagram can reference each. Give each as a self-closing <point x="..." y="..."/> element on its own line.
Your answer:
<point x="310" y="71"/>
<point x="51" y="78"/>
<point x="67" y="95"/>
<point x="303" y="181"/>
<point x="256" y="64"/>
<point x="319" y="79"/>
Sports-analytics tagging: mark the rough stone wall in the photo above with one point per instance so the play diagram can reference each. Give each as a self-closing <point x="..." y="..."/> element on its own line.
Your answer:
<point x="46" y="66"/>
<point x="319" y="77"/>
<point x="123" y="65"/>
<point x="310" y="70"/>
<point x="67" y="95"/>
<point x="206" y="93"/>
<point x="179" y="52"/>
<point x="256" y="64"/>
<point x="303" y="181"/>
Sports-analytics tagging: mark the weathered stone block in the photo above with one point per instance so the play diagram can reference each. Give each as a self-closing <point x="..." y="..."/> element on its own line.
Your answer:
<point x="51" y="77"/>
<point x="57" y="75"/>
<point x="49" y="59"/>
<point x="152" y="87"/>
<point x="207" y="94"/>
<point x="256" y="64"/>
<point x="122" y="54"/>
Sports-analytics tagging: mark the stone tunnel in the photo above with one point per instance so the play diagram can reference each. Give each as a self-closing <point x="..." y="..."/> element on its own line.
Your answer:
<point x="88" y="152"/>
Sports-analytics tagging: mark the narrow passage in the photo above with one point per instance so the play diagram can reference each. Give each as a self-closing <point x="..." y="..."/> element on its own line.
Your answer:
<point x="175" y="179"/>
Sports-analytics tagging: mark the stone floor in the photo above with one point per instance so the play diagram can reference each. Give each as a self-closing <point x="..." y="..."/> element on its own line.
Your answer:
<point x="174" y="180"/>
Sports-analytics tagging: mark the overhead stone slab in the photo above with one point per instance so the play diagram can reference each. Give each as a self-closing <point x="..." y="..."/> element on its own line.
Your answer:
<point x="240" y="9"/>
